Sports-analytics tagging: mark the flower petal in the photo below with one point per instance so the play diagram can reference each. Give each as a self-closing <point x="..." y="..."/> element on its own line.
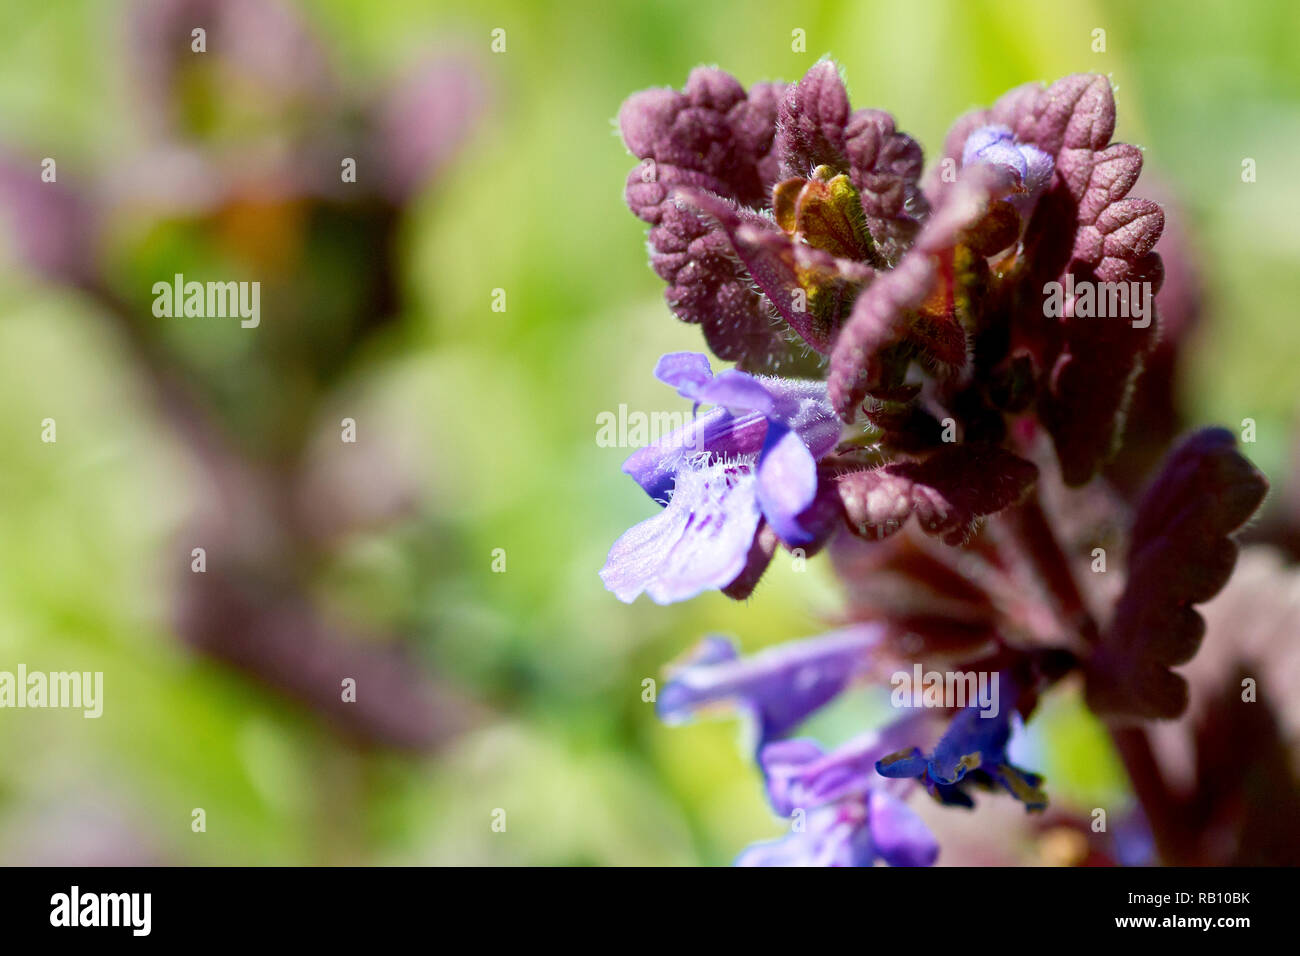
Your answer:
<point x="722" y="432"/>
<point x="982" y="139"/>
<point x="699" y="542"/>
<point x="736" y="391"/>
<point x="904" y="763"/>
<point x="787" y="483"/>
<point x="781" y="685"/>
<point x="684" y="371"/>
<point x="805" y="407"/>
<point x="831" y="837"/>
<point x="799" y="774"/>
<point x="897" y="834"/>
<point x="719" y="433"/>
<point x="995" y="144"/>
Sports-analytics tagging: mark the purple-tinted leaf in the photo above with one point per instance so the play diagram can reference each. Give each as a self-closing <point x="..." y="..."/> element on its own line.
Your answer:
<point x="775" y="263"/>
<point x="964" y="206"/>
<point x="811" y="122"/>
<point x="691" y="132"/>
<point x="945" y="616"/>
<point x="878" y="321"/>
<point x="1180" y="554"/>
<point x="1084" y="397"/>
<point x="947" y="491"/>
<point x="711" y="138"/>
<point x="885" y="166"/>
<point x="876" y="503"/>
<point x="754" y="123"/>
<point x="1085" y="227"/>
<point x="707" y="286"/>
<point x="1089" y="384"/>
<point x="1155" y="410"/>
<point x="888" y="312"/>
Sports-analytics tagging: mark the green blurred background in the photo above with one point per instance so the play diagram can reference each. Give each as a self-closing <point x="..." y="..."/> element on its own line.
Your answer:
<point x="501" y="407"/>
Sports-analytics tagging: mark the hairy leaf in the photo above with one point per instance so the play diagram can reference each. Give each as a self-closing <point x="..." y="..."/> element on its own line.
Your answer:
<point x="947" y="491"/>
<point x="712" y="138"/>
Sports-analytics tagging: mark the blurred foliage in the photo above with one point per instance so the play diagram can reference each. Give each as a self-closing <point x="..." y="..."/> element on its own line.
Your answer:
<point x="502" y="408"/>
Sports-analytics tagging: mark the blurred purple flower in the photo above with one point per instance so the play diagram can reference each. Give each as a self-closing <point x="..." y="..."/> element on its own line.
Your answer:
<point x="46" y="224"/>
<point x="779" y="686"/>
<point x="844" y="813"/>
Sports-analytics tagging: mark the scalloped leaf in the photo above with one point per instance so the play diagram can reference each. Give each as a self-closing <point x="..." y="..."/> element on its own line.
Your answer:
<point x="811" y="122"/>
<point x="776" y="265"/>
<point x="885" y="167"/>
<point x="1087" y="227"/>
<point x="1180" y="554"/>
<point x="711" y="138"/>
<point x="913" y="304"/>
<point x="949" y="491"/>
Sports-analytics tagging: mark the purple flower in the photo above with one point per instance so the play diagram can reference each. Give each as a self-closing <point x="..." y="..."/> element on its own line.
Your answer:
<point x="752" y="460"/>
<point x="972" y="750"/>
<point x="997" y="146"/>
<point x="844" y="814"/>
<point x="780" y="686"/>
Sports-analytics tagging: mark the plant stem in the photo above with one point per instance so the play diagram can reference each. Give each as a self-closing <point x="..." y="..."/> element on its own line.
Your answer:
<point x="1039" y="545"/>
<point x="1162" y="810"/>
